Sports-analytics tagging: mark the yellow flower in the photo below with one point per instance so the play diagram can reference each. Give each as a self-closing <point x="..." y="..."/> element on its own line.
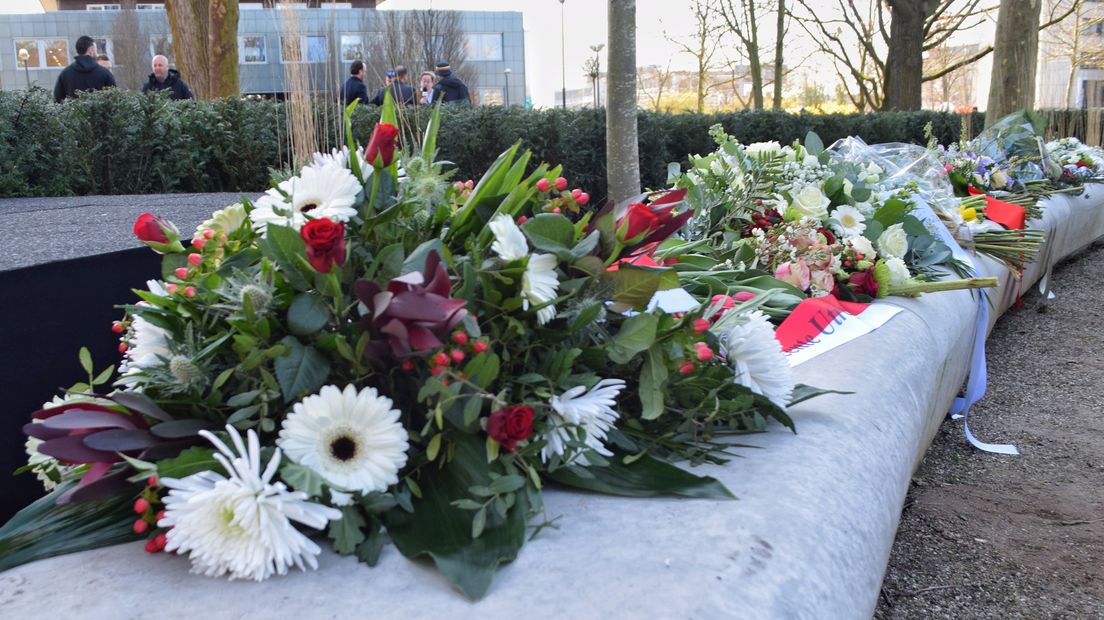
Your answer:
<point x="968" y="213"/>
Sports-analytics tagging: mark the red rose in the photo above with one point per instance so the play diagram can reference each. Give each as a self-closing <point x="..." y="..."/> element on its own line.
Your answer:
<point x="829" y="238"/>
<point x="864" y="283"/>
<point x="381" y="147"/>
<point x="639" y="220"/>
<point x="158" y="233"/>
<point x="510" y="425"/>
<point x="325" y="244"/>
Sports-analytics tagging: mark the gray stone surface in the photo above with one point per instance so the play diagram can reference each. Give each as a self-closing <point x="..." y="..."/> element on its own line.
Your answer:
<point x="34" y="231"/>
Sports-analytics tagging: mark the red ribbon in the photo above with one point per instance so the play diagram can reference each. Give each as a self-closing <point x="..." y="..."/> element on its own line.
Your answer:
<point x="810" y="317"/>
<point x="1011" y="216"/>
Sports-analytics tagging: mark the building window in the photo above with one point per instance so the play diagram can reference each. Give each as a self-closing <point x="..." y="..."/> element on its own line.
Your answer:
<point x="352" y="47"/>
<point x="103" y="7"/>
<point x="291" y="48"/>
<point x="251" y="49"/>
<point x="162" y="44"/>
<point x="490" y="96"/>
<point x="149" y="7"/>
<point x="42" y="52"/>
<point x="484" y="46"/>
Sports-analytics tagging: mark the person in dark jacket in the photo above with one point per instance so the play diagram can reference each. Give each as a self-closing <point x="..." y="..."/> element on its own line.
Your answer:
<point x="401" y="92"/>
<point x="83" y="74"/>
<point x="450" y="89"/>
<point x="164" y="78"/>
<point x="354" y="88"/>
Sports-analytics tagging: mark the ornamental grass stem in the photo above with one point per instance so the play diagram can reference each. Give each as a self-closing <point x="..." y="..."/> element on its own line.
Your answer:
<point x="916" y="288"/>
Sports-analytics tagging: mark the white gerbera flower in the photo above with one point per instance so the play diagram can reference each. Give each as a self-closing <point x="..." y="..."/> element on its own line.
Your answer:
<point x="224" y="220"/>
<point x="241" y="525"/>
<point x="848" y="221"/>
<point x="148" y="347"/>
<point x="354" y="440"/>
<point x="756" y="355"/>
<point x="591" y="411"/>
<point x="538" y="285"/>
<point x="321" y="191"/>
<point x="509" y="243"/>
<point x="340" y="159"/>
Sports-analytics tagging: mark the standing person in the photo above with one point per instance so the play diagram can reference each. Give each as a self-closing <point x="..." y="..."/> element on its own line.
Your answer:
<point x="83" y="74"/>
<point x="425" y="86"/>
<point x="104" y="61"/>
<point x="354" y="88"/>
<point x="450" y="89"/>
<point x="164" y="78"/>
<point x="401" y="92"/>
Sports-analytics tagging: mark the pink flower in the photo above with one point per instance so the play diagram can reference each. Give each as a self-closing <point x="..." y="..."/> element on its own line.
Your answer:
<point x="796" y="274"/>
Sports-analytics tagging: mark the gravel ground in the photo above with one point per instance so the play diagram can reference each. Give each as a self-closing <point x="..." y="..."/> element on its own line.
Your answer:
<point x="991" y="536"/>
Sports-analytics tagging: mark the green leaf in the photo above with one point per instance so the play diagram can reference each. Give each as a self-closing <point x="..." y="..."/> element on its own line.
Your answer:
<point x="637" y="334"/>
<point x="307" y="314"/>
<point x="433" y="447"/>
<point x="636" y="285"/>
<point x="507" y="484"/>
<point x="104" y="376"/>
<point x="833" y="186"/>
<point x="284" y="246"/>
<point x="45" y="529"/>
<point x="440" y="530"/>
<point x="892" y="212"/>
<point x="653" y="377"/>
<point x="417" y="258"/>
<point x="804" y="392"/>
<point x="483" y="369"/>
<point x="86" y="360"/>
<point x="550" y="232"/>
<point x="860" y="194"/>
<point x="586" y="317"/>
<point x="874" y="229"/>
<point x="369" y="550"/>
<point x="301" y="478"/>
<point x="302" y="371"/>
<point x="191" y="461"/>
<point x="813" y="144"/>
<point x="585" y="246"/>
<point x="429" y="142"/>
<point x="915" y="227"/>
<point x="346" y="532"/>
<point x="645" y="477"/>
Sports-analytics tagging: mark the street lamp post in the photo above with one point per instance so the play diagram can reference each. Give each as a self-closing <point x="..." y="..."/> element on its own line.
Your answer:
<point x="597" y="74"/>
<point x="563" y="57"/>
<point x="507" y="72"/>
<point x="25" y="56"/>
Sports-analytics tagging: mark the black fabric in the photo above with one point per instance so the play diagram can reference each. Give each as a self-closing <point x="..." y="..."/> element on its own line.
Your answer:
<point x="49" y="312"/>
<point x="172" y="82"/>
<point x="451" y="90"/>
<point x="83" y="74"/>
<point x="354" y="88"/>
<point x="400" y="93"/>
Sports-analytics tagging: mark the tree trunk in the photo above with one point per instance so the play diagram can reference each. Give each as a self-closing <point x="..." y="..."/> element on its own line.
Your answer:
<point x="622" y="156"/>
<point x="1015" y="56"/>
<point x="780" y="30"/>
<point x="754" y="61"/>
<point x="904" y="67"/>
<point x="205" y="43"/>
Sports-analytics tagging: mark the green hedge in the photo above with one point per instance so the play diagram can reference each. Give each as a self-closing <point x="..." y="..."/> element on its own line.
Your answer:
<point x="119" y="142"/>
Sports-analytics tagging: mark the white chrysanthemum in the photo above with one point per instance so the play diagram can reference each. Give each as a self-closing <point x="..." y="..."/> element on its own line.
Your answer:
<point x="578" y="408"/>
<point x="756" y="355"/>
<point x="538" y="285"/>
<point x="849" y="221"/>
<point x="509" y="243"/>
<point x="354" y="440"/>
<point x="224" y="220"/>
<point x="147" y="348"/>
<point x="241" y="526"/>
<point x="321" y="191"/>
<point x="340" y="158"/>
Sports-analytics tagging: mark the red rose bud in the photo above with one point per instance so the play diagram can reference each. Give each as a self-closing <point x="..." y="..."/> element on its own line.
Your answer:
<point x="117" y="327"/>
<point x="189" y="291"/>
<point x="457" y="355"/>
<point x="380" y="151"/>
<point x="543" y="185"/>
<point x="195" y="259"/>
<point x="686" y="368"/>
<point x="561" y="183"/>
<point x="479" y="346"/>
<point x="199" y="243"/>
<point x="510" y="425"/>
<point x="182" y="272"/>
<point x="583" y="198"/>
<point x="140" y="526"/>
<point x="864" y="283"/>
<point x="141" y="505"/>
<point x="325" y="244"/>
<point x="637" y="222"/>
<point x="158" y="233"/>
<point x="460" y="338"/>
<point x="700" y="325"/>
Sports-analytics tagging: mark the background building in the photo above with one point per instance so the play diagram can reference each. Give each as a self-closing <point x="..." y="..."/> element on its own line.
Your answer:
<point x="329" y="39"/>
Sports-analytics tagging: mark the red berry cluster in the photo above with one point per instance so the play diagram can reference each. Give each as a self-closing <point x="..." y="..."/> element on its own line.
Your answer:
<point x="463" y="189"/>
<point x="440" y="361"/>
<point x="148" y="517"/>
<point x="571" y="200"/>
<point x="702" y="351"/>
<point x="766" y="218"/>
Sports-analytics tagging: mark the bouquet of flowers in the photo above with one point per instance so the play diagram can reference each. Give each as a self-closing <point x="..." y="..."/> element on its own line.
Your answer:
<point x="1076" y="163"/>
<point x="369" y="353"/>
<point x="824" y="225"/>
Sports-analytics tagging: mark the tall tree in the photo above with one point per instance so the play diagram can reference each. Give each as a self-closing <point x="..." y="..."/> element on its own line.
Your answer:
<point x="1015" y="55"/>
<point x="1076" y="41"/>
<point x="779" y="47"/>
<point x="130" y="47"/>
<point x="741" y="18"/>
<point x="904" y="66"/>
<point x="205" y="40"/>
<point x="702" y="47"/>
<point x="622" y="150"/>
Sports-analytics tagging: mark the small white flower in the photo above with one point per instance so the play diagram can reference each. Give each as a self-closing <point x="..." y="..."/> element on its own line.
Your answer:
<point x="810" y="201"/>
<point x="241" y="525"/>
<point x="756" y="355"/>
<point x="509" y="243"/>
<point x="539" y="284"/>
<point x="893" y="241"/>
<point x="849" y="221"/>
<point x="998" y="179"/>
<point x="148" y="347"/>
<point x="810" y="161"/>
<point x="763" y="149"/>
<point x="321" y="191"/>
<point x="898" y="271"/>
<point x="592" y="411"/>
<point x="354" y="440"/>
<point x="863" y="246"/>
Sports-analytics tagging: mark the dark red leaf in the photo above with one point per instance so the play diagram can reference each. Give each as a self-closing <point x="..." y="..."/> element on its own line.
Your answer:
<point x="140" y="404"/>
<point x="76" y="419"/>
<point x="120" y="440"/>
<point x="71" y="449"/>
